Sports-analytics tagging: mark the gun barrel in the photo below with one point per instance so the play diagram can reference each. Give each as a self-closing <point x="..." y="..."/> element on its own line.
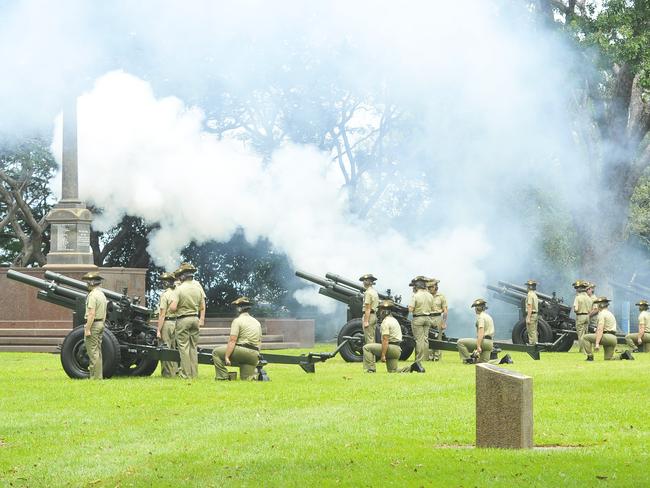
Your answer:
<point x="524" y="290"/>
<point x="345" y="281"/>
<point x="83" y="286"/>
<point x="44" y="285"/>
<point x="314" y="279"/>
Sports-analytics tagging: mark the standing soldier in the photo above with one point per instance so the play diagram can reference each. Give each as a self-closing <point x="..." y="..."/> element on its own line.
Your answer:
<point x="605" y="334"/>
<point x="582" y="306"/>
<point x="167" y="324"/>
<point x="370" y="304"/>
<point x="532" y="307"/>
<point x="390" y="348"/>
<point x="593" y="313"/>
<point x="244" y="344"/>
<point x="637" y="341"/>
<point x="420" y="306"/>
<point x="94" y="328"/>
<point x="482" y="345"/>
<point x="438" y="313"/>
<point x="189" y="306"/>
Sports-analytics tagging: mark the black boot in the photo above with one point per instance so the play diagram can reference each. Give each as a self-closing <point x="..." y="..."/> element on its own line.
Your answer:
<point x="506" y="360"/>
<point x="589" y="358"/>
<point x="416" y="367"/>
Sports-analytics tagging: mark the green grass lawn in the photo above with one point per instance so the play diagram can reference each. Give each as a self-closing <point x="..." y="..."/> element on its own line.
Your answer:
<point x="335" y="427"/>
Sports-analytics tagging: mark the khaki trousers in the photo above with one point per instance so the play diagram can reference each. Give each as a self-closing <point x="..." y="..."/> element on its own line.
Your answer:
<point x="94" y="350"/>
<point x="436" y="323"/>
<point x="420" y="327"/>
<point x="372" y="352"/>
<point x="582" y="327"/>
<point x="187" y="338"/>
<point x="369" y="332"/>
<point x="631" y="340"/>
<point x="532" y="329"/>
<point x="608" y="342"/>
<point x="246" y="359"/>
<point x="467" y="346"/>
<point x="169" y="369"/>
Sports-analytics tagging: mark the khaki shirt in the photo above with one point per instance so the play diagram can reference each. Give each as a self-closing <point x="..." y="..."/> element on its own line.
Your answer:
<point x="439" y="303"/>
<point x="166" y="300"/>
<point x="189" y="295"/>
<point x="421" y="302"/>
<point x="485" y="322"/>
<point x="372" y="297"/>
<point x="390" y="327"/>
<point x="644" y="320"/>
<point x="96" y="300"/>
<point x="582" y="303"/>
<point x="606" y="320"/>
<point x="247" y="329"/>
<point x="533" y="301"/>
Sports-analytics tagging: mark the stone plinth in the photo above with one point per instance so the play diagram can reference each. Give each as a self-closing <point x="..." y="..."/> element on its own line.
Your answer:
<point x="70" y="241"/>
<point x="504" y="408"/>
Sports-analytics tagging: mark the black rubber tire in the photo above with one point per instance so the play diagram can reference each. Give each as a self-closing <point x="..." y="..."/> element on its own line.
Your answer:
<point x="130" y="366"/>
<point x="74" y="358"/>
<point x="520" y="335"/>
<point x="408" y="346"/>
<point x="566" y="344"/>
<point x="352" y="352"/>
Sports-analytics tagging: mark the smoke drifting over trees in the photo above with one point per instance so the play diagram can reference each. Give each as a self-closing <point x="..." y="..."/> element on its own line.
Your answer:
<point x="456" y="140"/>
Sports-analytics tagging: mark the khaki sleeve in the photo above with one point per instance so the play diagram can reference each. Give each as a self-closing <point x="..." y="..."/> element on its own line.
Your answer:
<point x="480" y="323"/>
<point x="234" y="328"/>
<point x="575" y="303"/>
<point x="385" y="329"/>
<point x="643" y="321"/>
<point x="91" y="302"/>
<point x="367" y="299"/>
<point x="164" y="303"/>
<point x="530" y="300"/>
<point x="601" y="320"/>
<point x="412" y="302"/>
<point x="443" y="302"/>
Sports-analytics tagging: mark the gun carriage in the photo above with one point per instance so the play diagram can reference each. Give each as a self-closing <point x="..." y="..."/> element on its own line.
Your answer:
<point x="350" y="337"/>
<point x="554" y="324"/>
<point x="129" y="345"/>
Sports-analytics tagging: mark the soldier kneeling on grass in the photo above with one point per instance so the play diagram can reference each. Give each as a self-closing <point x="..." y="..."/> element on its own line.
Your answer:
<point x="605" y="334"/>
<point x="482" y="345"/>
<point x="243" y="347"/>
<point x="390" y="349"/>
<point x="641" y="340"/>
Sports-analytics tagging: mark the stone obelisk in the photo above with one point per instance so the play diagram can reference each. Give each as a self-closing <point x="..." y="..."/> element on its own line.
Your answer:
<point x="69" y="219"/>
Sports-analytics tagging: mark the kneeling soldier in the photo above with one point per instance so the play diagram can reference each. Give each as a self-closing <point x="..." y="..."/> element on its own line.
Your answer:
<point x="94" y="329"/>
<point x="484" y="334"/>
<point x="605" y="333"/>
<point x="642" y="338"/>
<point x="390" y="348"/>
<point x="243" y="347"/>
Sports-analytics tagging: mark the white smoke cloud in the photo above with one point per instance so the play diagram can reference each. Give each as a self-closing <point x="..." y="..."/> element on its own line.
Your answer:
<point x="145" y="156"/>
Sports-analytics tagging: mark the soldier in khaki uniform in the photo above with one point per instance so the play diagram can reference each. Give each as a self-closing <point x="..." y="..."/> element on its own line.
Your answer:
<point x="390" y="348"/>
<point x="244" y="344"/>
<point x="484" y="335"/>
<point x="532" y="309"/>
<point x="641" y="340"/>
<point x="605" y="334"/>
<point x="593" y="314"/>
<point x="439" y="312"/>
<point x="189" y="306"/>
<point x="582" y="306"/>
<point x="421" y="306"/>
<point x="167" y="324"/>
<point x="370" y="304"/>
<point x="94" y="328"/>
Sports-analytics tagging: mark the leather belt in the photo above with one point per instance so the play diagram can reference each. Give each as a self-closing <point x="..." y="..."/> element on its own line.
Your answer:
<point x="188" y="315"/>
<point x="586" y="313"/>
<point x="487" y="337"/>
<point x="170" y="318"/>
<point x="99" y="320"/>
<point x="609" y="332"/>
<point x="249" y="346"/>
<point x="436" y="314"/>
<point x="422" y="315"/>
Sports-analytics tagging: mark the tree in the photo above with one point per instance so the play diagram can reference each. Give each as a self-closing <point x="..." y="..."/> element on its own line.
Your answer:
<point x="25" y="199"/>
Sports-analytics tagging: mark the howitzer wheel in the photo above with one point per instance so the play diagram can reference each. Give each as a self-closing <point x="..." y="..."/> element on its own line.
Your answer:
<point x="74" y="358"/>
<point x="520" y="334"/>
<point x="134" y="366"/>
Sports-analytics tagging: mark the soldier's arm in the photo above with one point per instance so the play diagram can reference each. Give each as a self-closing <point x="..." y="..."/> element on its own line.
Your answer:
<point x="384" y="348"/>
<point x="232" y="340"/>
<point x="641" y="331"/>
<point x="161" y="318"/>
<point x="480" y="334"/>
<point x="90" y="315"/>
<point x="575" y="305"/>
<point x="445" y="312"/>
<point x="599" y="332"/>
<point x="174" y="304"/>
<point x="202" y="312"/>
<point x="529" y="311"/>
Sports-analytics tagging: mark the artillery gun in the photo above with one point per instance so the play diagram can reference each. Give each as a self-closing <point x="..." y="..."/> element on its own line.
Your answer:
<point x="554" y="324"/>
<point x="351" y="293"/>
<point x="129" y="345"/>
<point x="350" y="337"/>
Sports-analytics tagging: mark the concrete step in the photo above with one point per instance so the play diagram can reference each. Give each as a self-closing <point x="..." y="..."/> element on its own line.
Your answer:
<point x="33" y="333"/>
<point x="28" y="341"/>
<point x="28" y="348"/>
<point x="36" y="324"/>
